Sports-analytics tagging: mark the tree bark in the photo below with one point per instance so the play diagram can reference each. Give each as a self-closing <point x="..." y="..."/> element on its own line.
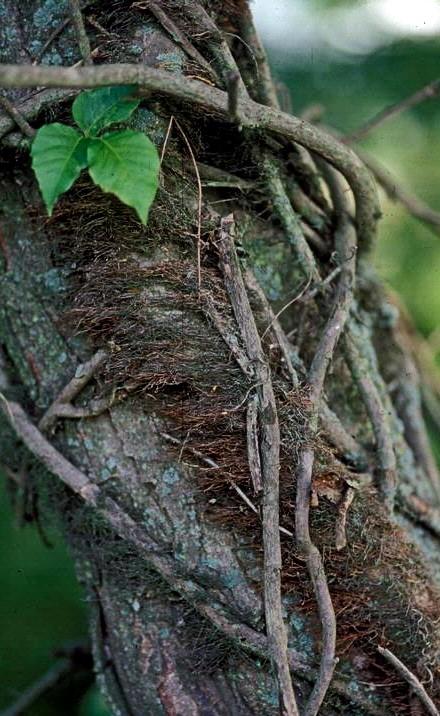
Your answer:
<point x="178" y="424"/>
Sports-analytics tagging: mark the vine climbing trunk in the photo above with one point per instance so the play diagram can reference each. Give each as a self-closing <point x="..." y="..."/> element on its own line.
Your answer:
<point x="203" y="403"/>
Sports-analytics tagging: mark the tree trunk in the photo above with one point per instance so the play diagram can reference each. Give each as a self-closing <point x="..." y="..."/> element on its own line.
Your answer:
<point x="175" y="553"/>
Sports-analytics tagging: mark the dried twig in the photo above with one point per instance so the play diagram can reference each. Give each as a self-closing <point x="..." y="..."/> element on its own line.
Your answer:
<point x="33" y="105"/>
<point x="229" y="336"/>
<point x="412" y="680"/>
<point x="81" y="34"/>
<point x="62" y="405"/>
<point x="340" y="437"/>
<point x="428" y="92"/>
<point x="333" y="427"/>
<point x="408" y="404"/>
<point x="18" y="118"/>
<point x="269" y="450"/>
<point x="204" y="26"/>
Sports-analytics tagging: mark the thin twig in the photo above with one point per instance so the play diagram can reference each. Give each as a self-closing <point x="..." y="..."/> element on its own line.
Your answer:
<point x="175" y="33"/>
<point x="209" y="461"/>
<point x="265" y="93"/>
<point x="394" y="190"/>
<point x="307" y="209"/>
<point x="199" y="203"/>
<point x="397" y="193"/>
<point x="18" y="118"/>
<point x="332" y="425"/>
<point x="325" y="282"/>
<point x="203" y="25"/>
<point x="408" y="403"/>
<point x="58" y="30"/>
<point x="412" y="680"/>
<point x="423" y="513"/>
<point x="62" y="407"/>
<point x="81" y="34"/>
<point x="287" y="305"/>
<point x="228" y="335"/>
<point x="97" y="26"/>
<point x="340" y="437"/>
<point x="46" y="682"/>
<point x="212" y="99"/>
<point x="269" y="451"/>
<point x="430" y="91"/>
<point x="33" y="105"/>
<point x="273" y="323"/>
<point x="166" y="140"/>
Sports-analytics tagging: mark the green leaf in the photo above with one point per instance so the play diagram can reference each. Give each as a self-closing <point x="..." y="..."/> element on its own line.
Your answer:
<point x="95" y="110"/>
<point x="58" y="155"/>
<point x="126" y="164"/>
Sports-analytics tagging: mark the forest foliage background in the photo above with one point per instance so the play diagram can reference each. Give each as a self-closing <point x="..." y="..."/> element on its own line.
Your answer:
<point x="41" y="606"/>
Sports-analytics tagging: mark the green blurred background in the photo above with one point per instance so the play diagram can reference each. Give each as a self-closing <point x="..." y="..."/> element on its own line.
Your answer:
<point x="353" y="65"/>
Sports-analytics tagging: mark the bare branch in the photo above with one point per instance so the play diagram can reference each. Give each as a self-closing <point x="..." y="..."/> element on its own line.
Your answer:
<point x="411" y="679"/>
<point x="18" y="118"/>
<point x="397" y="193"/>
<point x="430" y="91"/>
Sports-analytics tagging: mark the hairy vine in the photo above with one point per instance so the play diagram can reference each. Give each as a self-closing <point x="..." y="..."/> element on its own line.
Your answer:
<point x="288" y="426"/>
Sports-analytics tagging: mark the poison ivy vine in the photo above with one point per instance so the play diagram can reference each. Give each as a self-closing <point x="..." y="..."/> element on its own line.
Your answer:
<point x="124" y="163"/>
